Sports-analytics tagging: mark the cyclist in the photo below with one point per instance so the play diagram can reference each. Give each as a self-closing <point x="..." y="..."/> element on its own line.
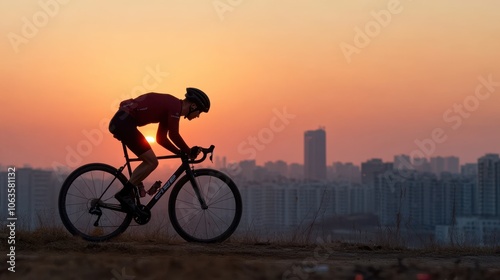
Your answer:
<point x="165" y="110"/>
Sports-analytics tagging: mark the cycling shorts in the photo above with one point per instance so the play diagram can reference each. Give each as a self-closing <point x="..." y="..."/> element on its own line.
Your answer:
<point x="124" y="128"/>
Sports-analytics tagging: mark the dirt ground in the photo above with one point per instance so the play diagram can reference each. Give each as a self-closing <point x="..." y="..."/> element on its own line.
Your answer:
<point x="71" y="258"/>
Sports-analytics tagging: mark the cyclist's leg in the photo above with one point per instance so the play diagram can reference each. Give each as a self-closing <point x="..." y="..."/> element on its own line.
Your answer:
<point x="148" y="165"/>
<point x="124" y="128"/>
<point x="138" y="144"/>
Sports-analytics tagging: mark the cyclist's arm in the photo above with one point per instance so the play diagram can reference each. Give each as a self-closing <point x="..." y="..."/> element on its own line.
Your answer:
<point x="161" y="138"/>
<point x="173" y="134"/>
<point x="170" y="127"/>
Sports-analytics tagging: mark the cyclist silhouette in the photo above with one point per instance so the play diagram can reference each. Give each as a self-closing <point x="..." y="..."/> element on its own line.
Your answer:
<point x="165" y="110"/>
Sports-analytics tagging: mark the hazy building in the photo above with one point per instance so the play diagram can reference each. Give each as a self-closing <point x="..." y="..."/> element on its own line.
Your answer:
<point x="437" y="165"/>
<point x="458" y="197"/>
<point x="346" y="172"/>
<point x="342" y="200"/>
<point x="372" y="168"/>
<point x="296" y="171"/>
<point x="278" y="208"/>
<point x="247" y="169"/>
<point x="278" y="168"/>
<point x="469" y="231"/>
<point x="445" y="164"/>
<point x="488" y="185"/>
<point x="220" y="163"/>
<point x="315" y="154"/>
<point x="402" y="162"/>
<point x="452" y="165"/>
<point x="469" y="169"/>
<point x="421" y="164"/>
<point x="416" y="200"/>
<point x="36" y="198"/>
<point x="357" y="199"/>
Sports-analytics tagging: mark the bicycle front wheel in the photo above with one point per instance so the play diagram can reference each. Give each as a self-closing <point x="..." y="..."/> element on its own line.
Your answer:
<point x="213" y="224"/>
<point x="87" y="205"/>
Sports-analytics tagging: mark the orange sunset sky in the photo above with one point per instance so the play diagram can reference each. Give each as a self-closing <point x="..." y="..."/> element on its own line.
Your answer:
<point x="380" y="76"/>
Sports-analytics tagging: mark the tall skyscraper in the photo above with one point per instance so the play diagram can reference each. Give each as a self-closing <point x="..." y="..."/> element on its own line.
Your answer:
<point x="315" y="154"/>
<point x="488" y="185"/>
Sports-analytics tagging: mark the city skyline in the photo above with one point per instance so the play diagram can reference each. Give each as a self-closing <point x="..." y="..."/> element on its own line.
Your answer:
<point x="220" y="160"/>
<point x="461" y="207"/>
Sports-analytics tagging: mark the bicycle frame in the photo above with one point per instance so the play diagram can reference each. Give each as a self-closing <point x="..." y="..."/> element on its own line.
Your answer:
<point x="184" y="167"/>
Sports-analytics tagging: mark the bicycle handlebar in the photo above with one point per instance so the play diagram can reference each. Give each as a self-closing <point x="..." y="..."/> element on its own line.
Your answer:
<point x="205" y="152"/>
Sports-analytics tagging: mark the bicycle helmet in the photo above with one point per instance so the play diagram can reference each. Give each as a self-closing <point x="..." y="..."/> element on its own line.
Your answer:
<point x="199" y="98"/>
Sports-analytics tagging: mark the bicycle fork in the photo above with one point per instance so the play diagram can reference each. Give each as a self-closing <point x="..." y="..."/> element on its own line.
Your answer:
<point x="196" y="189"/>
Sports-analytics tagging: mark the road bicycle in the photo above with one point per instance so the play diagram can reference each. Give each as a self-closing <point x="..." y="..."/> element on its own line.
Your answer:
<point x="204" y="204"/>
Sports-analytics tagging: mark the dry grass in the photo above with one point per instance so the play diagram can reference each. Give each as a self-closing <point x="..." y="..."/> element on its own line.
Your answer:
<point x="37" y="239"/>
<point x="57" y="238"/>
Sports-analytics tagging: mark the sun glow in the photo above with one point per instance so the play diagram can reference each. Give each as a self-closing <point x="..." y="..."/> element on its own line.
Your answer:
<point x="150" y="139"/>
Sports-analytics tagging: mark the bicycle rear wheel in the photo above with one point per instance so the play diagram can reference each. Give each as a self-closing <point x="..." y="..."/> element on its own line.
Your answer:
<point x="87" y="205"/>
<point x="219" y="220"/>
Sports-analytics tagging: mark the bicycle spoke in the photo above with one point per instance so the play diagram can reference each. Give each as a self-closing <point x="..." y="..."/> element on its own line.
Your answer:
<point x="102" y="184"/>
<point x="83" y="212"/>
<point x="84" y="196"/>
<point x="193" y="216"/>
<point x="85" y="182"/>
<point x="221" y="198"/>
<point x="187" y="191"/>
<point x="72" y="204"/>
<point x="197" y="224"/>
<point x="221" y="208"/>
<point x="93" y="184"/>
<point x="218" y="218"/>
<point x="77" y="196"/>
<point x="187" y="202"/>
<point x="215" y="194"/>
<point x="78" y="211"/>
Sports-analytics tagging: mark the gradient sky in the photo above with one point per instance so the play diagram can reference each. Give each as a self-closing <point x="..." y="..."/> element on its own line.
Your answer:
<point x="66" y="65"/>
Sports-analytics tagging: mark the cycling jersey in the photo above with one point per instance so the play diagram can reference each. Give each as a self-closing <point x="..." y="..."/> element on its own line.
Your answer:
<point x="148" y="108"/>
<point x="153" y="108"/>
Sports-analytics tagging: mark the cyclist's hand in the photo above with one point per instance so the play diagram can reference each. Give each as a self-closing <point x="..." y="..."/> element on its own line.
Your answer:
<point x="193" y="153"/>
